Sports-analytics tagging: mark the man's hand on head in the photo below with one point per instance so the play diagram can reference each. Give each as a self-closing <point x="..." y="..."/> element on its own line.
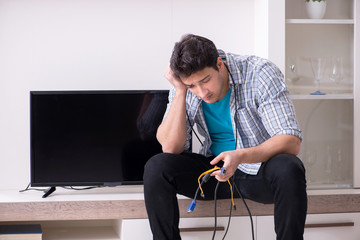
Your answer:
<point x="176" y="82"/>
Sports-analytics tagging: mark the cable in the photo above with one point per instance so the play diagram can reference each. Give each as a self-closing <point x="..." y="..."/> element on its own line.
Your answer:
<point x="236" y="100"/>
<point x="215" y="212"/>
<point x="208" y="172"/>
<point x="205" y="177"/>
<point x="28" y="188"/>
<point x="229" y="220"/>
<point x="248" y="210"/>
<point x="82" y="188"/>
<point x="192" y="129"/>
<point x="230" y="213"/>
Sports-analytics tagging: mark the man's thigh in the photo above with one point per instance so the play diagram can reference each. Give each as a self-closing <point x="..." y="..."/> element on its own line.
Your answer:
<point x="181" y="170"/>
<point x="277" y="172"/>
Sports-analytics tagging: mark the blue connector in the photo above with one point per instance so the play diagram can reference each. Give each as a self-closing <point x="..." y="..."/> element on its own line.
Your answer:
<point x="191" y="206"/>
<point x="223" y="171"/>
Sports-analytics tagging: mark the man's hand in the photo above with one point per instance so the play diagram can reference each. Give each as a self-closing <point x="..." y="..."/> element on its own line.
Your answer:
<point x="176" y="82"/>
<point x="278" y="144"/>
<point x="231" y="161"/>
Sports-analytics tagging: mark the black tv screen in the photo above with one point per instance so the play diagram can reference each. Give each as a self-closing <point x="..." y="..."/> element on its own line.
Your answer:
<point x="88" y="138"/>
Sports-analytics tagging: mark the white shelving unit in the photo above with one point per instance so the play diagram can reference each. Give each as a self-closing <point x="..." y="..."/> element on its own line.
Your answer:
<point x="328" y="121"/>
<point x="322" y="97"/>
<point x="319" y="226"/>
<point x="320" y="21"/>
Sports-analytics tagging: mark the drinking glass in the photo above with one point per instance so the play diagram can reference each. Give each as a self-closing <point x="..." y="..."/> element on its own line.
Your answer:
<point x="336" y="73"/>
<point x="292" y="73"/>
<point x="318" y="67"/>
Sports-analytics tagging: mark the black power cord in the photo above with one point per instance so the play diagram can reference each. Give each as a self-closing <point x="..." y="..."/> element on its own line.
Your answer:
<point x="230" y="212"/>
<point x="248" y="210"/>
<point x="215" y="215"/>
<point x="29" y="188"/>
<point x="215" y="212"/>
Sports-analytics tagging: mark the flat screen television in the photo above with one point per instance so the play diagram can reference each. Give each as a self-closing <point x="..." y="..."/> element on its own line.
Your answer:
<point x="93" y="138"/>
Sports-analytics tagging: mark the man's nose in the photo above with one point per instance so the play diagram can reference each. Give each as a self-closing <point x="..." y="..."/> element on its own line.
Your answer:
<point x="200" y="92"/>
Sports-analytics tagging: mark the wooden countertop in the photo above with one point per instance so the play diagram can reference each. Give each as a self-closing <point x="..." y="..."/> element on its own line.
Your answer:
<point x="128" y="203"/>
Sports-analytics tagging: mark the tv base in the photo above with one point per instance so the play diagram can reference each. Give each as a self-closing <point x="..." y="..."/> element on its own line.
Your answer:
<point x="49" y="191"/>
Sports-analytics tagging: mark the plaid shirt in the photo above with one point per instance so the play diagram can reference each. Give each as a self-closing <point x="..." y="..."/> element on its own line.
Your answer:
<point x="263" y="108"/>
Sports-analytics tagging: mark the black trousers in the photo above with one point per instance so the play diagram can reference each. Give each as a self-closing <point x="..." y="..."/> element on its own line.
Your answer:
<point x="281" y="180"/>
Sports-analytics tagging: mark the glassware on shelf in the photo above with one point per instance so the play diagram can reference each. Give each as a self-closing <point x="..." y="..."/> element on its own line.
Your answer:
<point x="318" y="66"/>
<point x="292" y="73"/>
<point x="336" y="73"/>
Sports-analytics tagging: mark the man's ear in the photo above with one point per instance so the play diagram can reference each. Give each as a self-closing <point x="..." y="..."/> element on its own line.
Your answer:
<point x="220" y="63"/>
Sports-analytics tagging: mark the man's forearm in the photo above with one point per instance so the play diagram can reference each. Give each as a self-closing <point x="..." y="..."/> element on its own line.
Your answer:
<point x="276" y="145"/>
<point x="172" y="131"/>
<point x="279" y="144"/>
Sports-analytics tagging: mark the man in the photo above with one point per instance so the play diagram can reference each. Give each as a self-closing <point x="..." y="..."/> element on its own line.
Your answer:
<point x="241" y="106"/>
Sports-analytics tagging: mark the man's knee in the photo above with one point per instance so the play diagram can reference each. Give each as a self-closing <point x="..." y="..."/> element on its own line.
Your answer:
<point x="153" y="166"/>
<point x="158" y="166"/>
<point x="287" y="167"/>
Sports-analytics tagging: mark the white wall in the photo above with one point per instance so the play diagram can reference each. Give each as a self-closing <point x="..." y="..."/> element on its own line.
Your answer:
<point x="93" y="44"/>
<point x="270" y="30"/>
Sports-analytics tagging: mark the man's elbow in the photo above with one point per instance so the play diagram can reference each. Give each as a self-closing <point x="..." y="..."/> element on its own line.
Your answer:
<point x="295" y="150"/>
<point x="171" y="149"/>
<point x="171" y="146"/>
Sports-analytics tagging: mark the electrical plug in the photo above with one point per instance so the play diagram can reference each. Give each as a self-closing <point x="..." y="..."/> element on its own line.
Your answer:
<point x="191" y="206"/>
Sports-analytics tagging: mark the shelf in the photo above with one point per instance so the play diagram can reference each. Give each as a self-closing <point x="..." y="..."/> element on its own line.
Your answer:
<point x="80" y="233"/>
<point x="320" y="21"/>
<point x="333" y="91"/>
<point x="323" y="186"/>
<point x="322" y="97"/>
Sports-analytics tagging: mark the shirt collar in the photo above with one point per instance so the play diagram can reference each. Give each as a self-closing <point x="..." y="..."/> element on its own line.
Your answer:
<point x="235" y="71"/>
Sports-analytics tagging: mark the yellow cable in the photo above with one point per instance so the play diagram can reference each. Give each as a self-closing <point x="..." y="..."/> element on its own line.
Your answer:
<point x="201" y="175"/>
<point x="232" y="194"/>
<point x="212" y="170"/>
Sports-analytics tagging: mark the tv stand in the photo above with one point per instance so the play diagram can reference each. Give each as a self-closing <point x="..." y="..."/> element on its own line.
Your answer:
<point x="49" y="191"/>
<point x="106" y="213"/>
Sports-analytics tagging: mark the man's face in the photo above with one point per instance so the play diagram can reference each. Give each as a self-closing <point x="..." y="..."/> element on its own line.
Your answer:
<point x="208" y="84"/>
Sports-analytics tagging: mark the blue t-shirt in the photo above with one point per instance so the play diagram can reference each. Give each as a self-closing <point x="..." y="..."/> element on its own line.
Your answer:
<point x="218" y="122"/>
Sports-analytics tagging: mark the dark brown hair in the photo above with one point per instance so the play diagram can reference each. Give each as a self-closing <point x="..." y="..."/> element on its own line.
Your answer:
<point x="192" y="54"/>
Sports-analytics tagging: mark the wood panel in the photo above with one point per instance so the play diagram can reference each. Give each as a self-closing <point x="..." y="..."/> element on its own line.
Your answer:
<point x="132" y="209"/>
